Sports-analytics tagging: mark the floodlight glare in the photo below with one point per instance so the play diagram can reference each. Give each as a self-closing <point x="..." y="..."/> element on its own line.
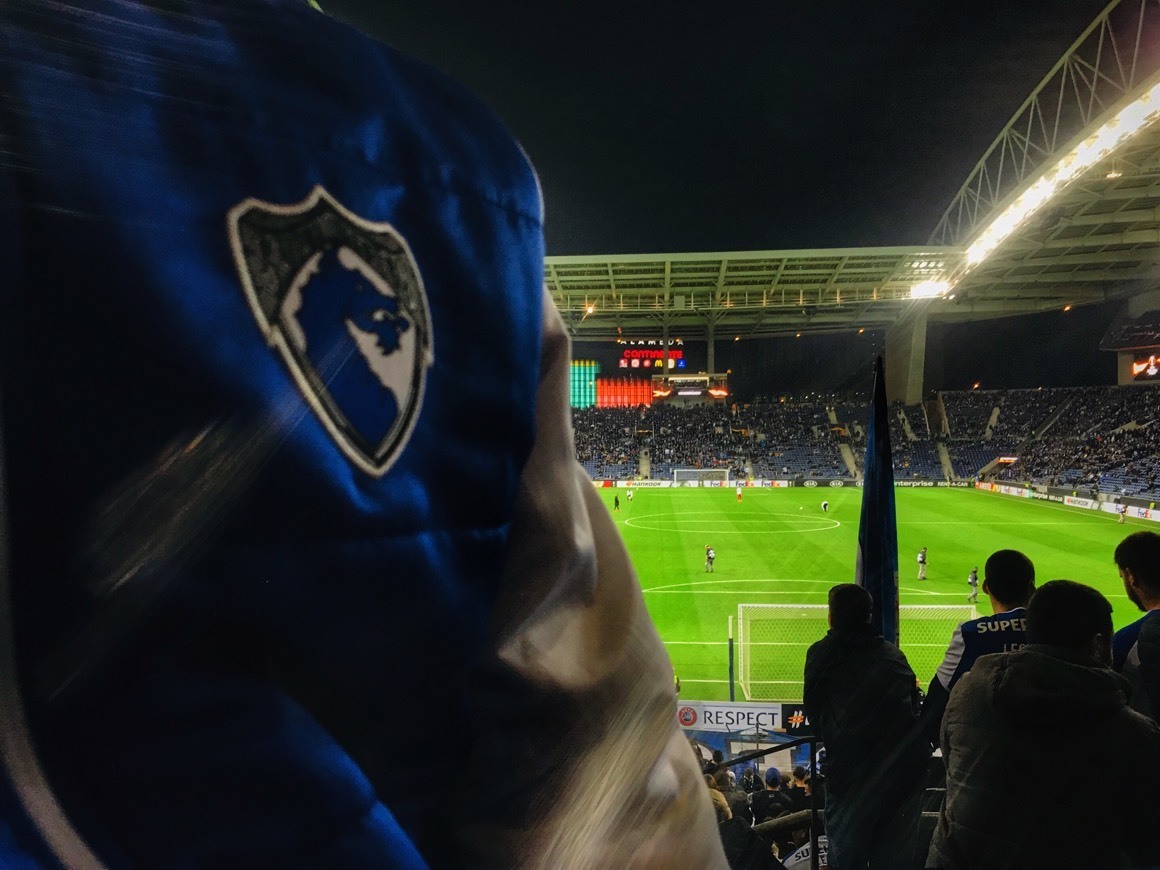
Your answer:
<point x="929" y="289"/>
<point x="1130" y="120"/>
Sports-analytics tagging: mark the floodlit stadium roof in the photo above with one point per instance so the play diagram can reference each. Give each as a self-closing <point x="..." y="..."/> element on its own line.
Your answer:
<point x="1062" y="209"/>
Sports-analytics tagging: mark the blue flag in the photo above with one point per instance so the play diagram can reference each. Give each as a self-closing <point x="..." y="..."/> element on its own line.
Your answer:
<point x="877" y="565"/>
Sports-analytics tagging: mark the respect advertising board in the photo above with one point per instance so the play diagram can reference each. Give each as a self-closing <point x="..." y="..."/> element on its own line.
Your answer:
<point x="737" y="727"/>
<point x="727" y="716"/>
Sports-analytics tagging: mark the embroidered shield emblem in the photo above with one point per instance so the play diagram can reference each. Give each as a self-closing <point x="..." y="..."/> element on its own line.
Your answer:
<point x="342" y="301"/>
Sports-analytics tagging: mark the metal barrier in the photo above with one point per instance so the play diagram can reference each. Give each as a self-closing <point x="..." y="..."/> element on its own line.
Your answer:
<point x="813" y="813"/>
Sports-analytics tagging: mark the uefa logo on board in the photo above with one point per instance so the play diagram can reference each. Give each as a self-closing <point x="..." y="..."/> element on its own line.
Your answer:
<point x="687" y="716"/>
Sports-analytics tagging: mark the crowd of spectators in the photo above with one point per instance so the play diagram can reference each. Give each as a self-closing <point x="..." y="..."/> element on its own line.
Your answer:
<point x="968" y="413"/>
<point x="1022" y="412"/>
<point x="916" y="416"/>
<point x="1001" y="713"/>
<point x="1101" y="410"/>
<point x="1096" y="438"/>
<point x="1106" y="440"/>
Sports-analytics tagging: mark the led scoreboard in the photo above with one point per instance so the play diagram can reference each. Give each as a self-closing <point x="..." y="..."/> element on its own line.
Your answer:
<point x="638" y="364"/>
<point x="650" y="354"/>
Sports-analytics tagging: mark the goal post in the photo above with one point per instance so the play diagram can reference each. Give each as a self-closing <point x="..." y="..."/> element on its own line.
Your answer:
<point x="684" y="475"/>
<point x="772" y="640"/>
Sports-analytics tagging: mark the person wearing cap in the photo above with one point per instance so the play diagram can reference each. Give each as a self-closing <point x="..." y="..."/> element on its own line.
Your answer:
<point x="772" y="801"/>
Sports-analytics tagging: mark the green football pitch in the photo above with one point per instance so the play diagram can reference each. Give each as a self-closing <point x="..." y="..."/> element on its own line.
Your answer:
<point x="777" y="547"/>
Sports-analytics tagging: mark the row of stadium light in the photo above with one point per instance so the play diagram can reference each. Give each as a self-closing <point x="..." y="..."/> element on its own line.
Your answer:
<point x="1127" y="123"/>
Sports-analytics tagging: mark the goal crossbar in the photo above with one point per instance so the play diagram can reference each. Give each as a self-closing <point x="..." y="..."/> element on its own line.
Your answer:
<point x="772" y="640"/>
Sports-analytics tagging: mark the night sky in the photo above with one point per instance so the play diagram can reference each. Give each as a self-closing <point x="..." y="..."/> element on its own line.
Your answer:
<point x="755" y="125"/>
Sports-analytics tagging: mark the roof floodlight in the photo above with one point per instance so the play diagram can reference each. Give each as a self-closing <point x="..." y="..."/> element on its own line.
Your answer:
<point x="929" y="289"/>
<point x="1126" y="123"/>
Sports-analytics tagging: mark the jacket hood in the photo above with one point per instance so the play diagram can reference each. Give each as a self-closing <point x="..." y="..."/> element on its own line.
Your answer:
<point x="1041" y="686"/>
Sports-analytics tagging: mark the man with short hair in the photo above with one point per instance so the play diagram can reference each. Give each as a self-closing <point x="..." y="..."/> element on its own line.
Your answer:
<point x="1136" y="647"/>
<point x="1008" y="580"/>
<point x="1011" y="721"/>
<point x="862" y="701"/>
<point x="797" y="789"/>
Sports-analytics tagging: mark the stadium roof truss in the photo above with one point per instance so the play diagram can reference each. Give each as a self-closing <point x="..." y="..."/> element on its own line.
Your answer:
<point x="1062" y="209"/>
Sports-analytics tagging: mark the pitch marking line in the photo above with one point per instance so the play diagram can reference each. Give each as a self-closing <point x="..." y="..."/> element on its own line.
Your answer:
<point x="692" y="583"/>
<point x="1070" y="510"/>
<point x="691" y="588"/>
<point x="989" y="522"/>
<point x="676" y="523"/>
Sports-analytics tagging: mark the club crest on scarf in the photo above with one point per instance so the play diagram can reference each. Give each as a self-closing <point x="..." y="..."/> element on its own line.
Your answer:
<point x="342" y="301"/>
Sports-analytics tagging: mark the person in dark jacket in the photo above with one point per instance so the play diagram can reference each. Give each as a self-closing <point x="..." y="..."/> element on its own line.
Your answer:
<point x="1136" y="647"/>
<point x="862" y="699"/>
<point x="1008" y="727"/>
<point x="772" y="802"/>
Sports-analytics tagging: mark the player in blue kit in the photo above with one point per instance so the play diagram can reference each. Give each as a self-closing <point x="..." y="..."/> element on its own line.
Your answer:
<point x="1009" y="581"/>
<point x="279" y="559"/>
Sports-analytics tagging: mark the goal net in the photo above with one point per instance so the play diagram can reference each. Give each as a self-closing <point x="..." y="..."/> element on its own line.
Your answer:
<point x="683" y="475"/>
<point x="772" y="640"/>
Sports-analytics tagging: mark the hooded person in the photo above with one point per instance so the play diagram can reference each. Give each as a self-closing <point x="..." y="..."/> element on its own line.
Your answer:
<point x="1010" y="802"/>
<point x="264" y="517"/>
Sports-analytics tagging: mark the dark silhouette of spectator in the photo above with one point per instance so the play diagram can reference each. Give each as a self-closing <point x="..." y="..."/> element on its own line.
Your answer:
<point x="737" y="797"/>
<point x="1136" y="648"/>
<point x="771" y="802"/>
<point x="751" y="781"/>
<point x="1011" y="802"/>
<point x="720" y="804"/>
<point x="745" y="849"/>
<point x="798" y="789"/>
<point x="1008" y="580"/>
<point x="862" y="699"/>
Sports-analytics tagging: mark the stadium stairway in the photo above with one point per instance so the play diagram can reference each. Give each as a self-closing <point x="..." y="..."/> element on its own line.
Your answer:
<point x="944" y="458"/>
<point x="848" y="458"/>
<point x="1050" y="421"/>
